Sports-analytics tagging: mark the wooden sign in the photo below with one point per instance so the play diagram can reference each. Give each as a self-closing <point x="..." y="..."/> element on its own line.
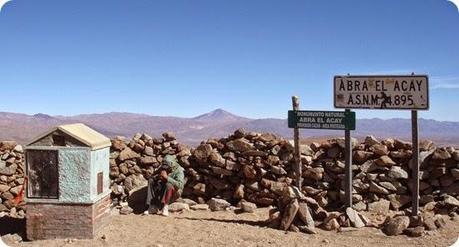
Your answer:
<point x="382" y="92"/>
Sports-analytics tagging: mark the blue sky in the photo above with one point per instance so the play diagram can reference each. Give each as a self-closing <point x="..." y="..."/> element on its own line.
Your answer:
<point x="184" y="58"/>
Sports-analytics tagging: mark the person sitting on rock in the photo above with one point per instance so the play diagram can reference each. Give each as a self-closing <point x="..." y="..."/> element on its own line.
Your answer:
<point x="166" y="187"/>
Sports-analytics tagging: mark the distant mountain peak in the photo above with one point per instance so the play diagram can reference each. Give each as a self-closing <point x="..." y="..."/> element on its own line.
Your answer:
<point x="42" y="116"/>
<point x="218" y="115"/>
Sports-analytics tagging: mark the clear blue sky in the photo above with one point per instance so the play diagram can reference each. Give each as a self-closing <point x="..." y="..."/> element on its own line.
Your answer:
<point x="185" y="57"/>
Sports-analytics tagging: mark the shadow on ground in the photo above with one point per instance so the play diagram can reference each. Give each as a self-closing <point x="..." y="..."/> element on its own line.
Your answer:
<point x="260" y="223"/>
<point x="136" y="200"/>
<point x="9" y="225"/>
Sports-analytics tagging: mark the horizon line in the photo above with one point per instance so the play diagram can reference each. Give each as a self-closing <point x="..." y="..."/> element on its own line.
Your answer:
<point x="170" y="116"/>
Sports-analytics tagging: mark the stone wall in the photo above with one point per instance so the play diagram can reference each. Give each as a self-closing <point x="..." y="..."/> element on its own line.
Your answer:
<point x="11" y="178"/>
<point x="258" y="167"/>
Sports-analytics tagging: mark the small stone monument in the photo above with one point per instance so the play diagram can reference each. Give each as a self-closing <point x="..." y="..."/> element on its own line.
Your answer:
<point x="67" y="195"/>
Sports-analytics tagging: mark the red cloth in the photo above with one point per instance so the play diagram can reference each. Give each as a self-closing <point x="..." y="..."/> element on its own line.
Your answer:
<point x="20" y="197"/>
<point x="168" y="194"/>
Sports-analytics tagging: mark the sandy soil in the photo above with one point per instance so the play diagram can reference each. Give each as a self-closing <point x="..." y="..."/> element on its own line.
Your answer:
<point x="204" y="228"/>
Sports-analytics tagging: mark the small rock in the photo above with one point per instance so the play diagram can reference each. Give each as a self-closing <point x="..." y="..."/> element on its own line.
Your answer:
<point x="375" y="188"/>
<point x="380" y="149"/>
<point x="239" y="145"/>
<point x="127" y="154"/>
<point x="371" y="140"/>
<point x="449" y="200"/>
<point x="216" y="204"/>
<point x="7" y="145"/>
<point x="455" y="173"/>
<point x="379" y="207"/>
<point x="11" y="238"/>
<point x="178" y="207"/>
<point x="429" y="224"/>
<point x="397" y="225"/>
<point x="331" y="225"/>
<point x="4" y="188"/>
<point x="18" y="149"/>
<point x="305" y="215"/>
<point x="456" y="155"/>
<point x="306" y="150"/>
<point x="248" y="207"/>
<point x="202" y="152"/>
<point x="289" y="215"/>
<point x="398" y="173"/>
<point x="360" y="206"/>
<point x="416" y="221"/>
<point x="385" y="161"/>
<point x="354" y="218"/>
<point x="187" y="201"/>
<point x="415" y="232"/>
<point x="362" y="156"/>
<point x="441" y="154"/>
<point x="126" y="210"/>
<point x="169" y="136"/>
<point x="439" y="221"/>
<point x="200" y="207"/>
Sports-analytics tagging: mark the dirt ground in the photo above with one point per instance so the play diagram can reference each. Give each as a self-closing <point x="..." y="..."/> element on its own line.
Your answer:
<point x="205" y="228"/>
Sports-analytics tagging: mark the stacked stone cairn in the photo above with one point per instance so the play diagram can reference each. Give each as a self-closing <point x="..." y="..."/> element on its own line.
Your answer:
<point x="11" y="179"/>
<point x="133" y="162"/>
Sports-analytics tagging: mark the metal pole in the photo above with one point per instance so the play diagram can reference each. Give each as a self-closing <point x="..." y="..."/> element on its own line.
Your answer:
<point x="415" y="164"/>
<point x="348" y="166"/>
<point x="296" y="140"/>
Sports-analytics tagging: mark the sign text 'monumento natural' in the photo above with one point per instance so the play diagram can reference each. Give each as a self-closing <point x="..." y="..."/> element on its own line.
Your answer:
<point x="338" y="120"/>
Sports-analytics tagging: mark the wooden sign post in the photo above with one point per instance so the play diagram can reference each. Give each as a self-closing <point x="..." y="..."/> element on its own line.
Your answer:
<point x="409" y="92"/>
<point x="296" y="140"/>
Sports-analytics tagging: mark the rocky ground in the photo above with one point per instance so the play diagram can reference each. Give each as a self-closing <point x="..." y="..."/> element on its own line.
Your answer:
<point x="227" y="228"/>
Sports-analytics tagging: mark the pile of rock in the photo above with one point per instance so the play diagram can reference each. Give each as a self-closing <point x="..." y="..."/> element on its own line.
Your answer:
<point x="431" y="217"/>
<point x="250" y="166"/>
<point x="296" y="212"/>
<point x="11" y="178"/>
<point x="133" y="162"/>
<point x="382" y="171"/>
<point x="258" y="167"/>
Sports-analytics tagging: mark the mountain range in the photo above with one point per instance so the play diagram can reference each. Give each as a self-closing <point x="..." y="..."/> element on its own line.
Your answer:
<point x="215" y="124"/>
